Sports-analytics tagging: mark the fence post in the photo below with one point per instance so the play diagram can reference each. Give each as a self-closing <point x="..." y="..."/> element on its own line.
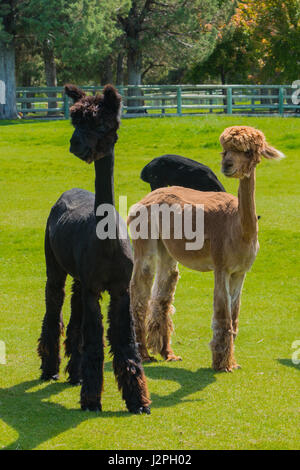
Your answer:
<point x="66" y="106"/>
<point x="24" y="95"/>
<point x="229" y="100"/>
<point x="179" y="101"/>
<point x="210" y="101"/>
<point x="281" y="102"/>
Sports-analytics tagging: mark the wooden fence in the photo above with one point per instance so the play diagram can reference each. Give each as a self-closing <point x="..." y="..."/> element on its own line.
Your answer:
<point x="170" y="100"/>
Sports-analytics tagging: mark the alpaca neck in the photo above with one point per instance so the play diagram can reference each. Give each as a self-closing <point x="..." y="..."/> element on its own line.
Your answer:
<point x="104" y="181"/>
<point x="247" y="209"/>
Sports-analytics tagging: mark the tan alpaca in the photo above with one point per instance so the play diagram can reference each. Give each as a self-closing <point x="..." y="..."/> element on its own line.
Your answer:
<point x="230" y="247"/>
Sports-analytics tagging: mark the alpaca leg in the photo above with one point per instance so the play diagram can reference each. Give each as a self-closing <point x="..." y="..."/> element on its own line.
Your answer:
<point x="140" y="291"/>
<point x="48" y="343"/>
<point x="236" y="286"/>
<point x="159" y="325"/>
<point x="92" y="352"/>
<point x="222" y="342"/>
<point x="127" y="363"/>
<point x="74" y="338"/>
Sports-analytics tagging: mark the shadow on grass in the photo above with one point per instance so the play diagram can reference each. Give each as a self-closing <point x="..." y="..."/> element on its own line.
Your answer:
<point x="37" y="420"/>
<point x="289" y="363"/>
<point x="190" y="382"/>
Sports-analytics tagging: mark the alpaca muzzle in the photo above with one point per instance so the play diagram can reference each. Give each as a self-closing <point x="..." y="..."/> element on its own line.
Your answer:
<point x="228" y="169"/>
<point x="79" y="148"/>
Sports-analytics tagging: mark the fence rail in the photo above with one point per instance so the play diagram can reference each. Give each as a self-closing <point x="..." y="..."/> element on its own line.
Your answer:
<point x="170" y="100"/>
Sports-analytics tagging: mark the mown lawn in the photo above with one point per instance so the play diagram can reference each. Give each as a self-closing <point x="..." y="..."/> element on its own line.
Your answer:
<point x="193" y="407"/>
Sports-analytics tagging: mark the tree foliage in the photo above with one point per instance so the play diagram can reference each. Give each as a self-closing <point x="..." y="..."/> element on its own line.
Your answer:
<point x="256" y="41"/>
<point x="80" y="32"/>
<point x="7" y="20"/>
<point x="260" y="44"/>
<point x="164" y="33"/>
<point x="230" y="60"/>
<point x="275" y="29"/>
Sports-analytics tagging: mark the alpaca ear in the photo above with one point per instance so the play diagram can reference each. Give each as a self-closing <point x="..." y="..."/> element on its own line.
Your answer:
<point x="111" y="98"/>
<point x="272" y="154"/>
<point x="74" y="92"/>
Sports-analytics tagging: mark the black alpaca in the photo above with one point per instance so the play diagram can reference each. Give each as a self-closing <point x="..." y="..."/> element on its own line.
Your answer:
<point x="96" y="265"/>
<point x="174" y="170"/>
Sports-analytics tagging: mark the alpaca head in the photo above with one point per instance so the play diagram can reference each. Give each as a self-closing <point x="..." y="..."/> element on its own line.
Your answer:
<point x="96" y="120"/>
<point x="243" y="147"/>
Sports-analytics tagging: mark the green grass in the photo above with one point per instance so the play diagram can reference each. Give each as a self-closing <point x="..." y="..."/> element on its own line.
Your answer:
<point x="193" y="407"/>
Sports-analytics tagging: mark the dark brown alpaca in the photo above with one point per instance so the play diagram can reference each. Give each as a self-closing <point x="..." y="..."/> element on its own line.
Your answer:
<point x="73" y="247"/>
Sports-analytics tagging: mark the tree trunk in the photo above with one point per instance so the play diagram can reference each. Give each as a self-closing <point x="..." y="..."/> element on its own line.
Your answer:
<point x="8" y="107"/>
<point x="50" y="73"/>
<point x="134" y="68"/>
<point x="26" y="82"/>
<point x="120" y="69"/>
<point x="106" y="71"/>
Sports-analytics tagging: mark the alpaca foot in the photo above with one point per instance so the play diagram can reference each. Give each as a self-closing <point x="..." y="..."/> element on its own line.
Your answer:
<point x="172" y="357"/>
<point x="168" y="355"/>
<point x="224" y="369"/>
<point x="149" y="359"/>
<point x="90" y="405"/>
<point x="223" y="359"/>
<point x="228" y="368"/>
<point x="140" y="410"/>
<point x="91" y="408"/>
<point x="74" y="377"/>
<point x="46" y="376"/>
<point x="145" y="356"/>
<point x="74" y="381"/>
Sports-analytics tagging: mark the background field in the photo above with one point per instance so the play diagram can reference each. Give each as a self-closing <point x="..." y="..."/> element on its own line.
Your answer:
<point x="193" y="407"/>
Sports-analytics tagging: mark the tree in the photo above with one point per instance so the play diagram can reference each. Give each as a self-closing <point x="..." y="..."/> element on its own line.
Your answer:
<point x="169" y="30"/>
<point x="7" y="58"/>
<point x="275" y="28"/>
<point x="76" y="34"/>
<point x="231" y="59"/>
<point x="253" y="46"/>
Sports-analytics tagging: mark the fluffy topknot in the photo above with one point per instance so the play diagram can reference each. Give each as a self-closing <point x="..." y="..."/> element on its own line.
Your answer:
<point x="243" y="139"/>
<point x="92" y="109"/>
<point x="249" y="140"/>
